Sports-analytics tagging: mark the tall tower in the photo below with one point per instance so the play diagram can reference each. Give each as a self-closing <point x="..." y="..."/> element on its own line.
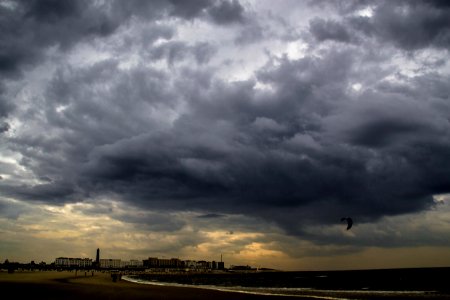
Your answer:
<point x="97" y="258"/>
<point x="221" y="264"/>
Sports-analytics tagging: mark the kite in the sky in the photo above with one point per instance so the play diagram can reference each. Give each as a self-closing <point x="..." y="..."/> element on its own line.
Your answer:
<point x="349" y="222"/>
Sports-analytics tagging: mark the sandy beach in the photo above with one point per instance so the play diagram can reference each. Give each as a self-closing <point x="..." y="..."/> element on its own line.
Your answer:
<point x="68" y="285"/>
<point x="81" y="285"/>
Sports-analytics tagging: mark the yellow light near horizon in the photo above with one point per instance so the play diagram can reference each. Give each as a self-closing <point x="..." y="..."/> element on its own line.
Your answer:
<point x="227" y="235"/>
<point x="257" y="250"/>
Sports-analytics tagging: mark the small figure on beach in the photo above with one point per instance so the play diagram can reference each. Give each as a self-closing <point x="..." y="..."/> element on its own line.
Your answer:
<point x="349" y="222"/>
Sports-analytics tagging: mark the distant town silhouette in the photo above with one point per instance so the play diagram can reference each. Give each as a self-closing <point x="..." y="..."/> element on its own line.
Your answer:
<point x="152" y="263"/>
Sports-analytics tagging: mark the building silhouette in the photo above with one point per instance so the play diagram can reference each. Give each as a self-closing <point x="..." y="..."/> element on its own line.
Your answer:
<point x="150" y="263"/>
<point x="110" y="263"/>
<point x="70" y="262"/>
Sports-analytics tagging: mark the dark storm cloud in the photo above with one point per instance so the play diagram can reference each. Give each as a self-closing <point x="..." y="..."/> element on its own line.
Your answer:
<point x="52" y="11"/>
<point x="251" y="32"/>
<point x="203" y="52"/>
<point x="5" y="106"/>
<point x="228" y="11"/>
<point x="294" y="157"/>
<point x="155" y="221"/>
<point x="188" y="9"/>
<point x="12" y="210"/>
<point x="172" y="52"/>
<point x="221" y="12"/>
<point x="210" y="216"/>
<point x="408" y="25"/>
<point x="59" y="156"/>
<point x="231" y="12"/>
<point x="54" y="192"/>
<point x="370" y="168"/>
<point x="4" y="127"/>
<point x="387" y="120"/>
<point x="328" y="30"/>
<point x="29" y="28"/>
<point x="309" y="151"/>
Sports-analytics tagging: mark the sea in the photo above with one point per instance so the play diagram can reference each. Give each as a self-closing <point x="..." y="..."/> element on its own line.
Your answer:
<point x="417" y="283"/>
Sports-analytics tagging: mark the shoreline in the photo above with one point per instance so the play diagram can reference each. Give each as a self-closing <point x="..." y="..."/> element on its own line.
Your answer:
<point x="307" y="293"/>
<point x="70" y="285"/>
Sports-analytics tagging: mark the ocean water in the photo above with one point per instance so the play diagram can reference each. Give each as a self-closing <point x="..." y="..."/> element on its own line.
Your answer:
<point x="396" y="283"/>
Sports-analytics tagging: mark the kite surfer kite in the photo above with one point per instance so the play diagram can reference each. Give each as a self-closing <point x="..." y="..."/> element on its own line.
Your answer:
<point x="349" y="222"/>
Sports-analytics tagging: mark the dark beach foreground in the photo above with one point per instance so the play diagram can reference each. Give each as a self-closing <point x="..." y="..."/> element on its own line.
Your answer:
<point x="68" y="285"/>
<point x="65" y="285"/>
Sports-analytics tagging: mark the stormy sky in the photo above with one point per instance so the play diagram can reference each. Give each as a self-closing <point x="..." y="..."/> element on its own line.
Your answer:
<point x="249" y="128"/>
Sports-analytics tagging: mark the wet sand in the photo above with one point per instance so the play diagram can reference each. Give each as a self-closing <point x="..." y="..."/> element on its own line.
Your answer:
<point x="68" y="285"/>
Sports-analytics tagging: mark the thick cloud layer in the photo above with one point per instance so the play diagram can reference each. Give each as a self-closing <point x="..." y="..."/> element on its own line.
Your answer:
<point x="357" y="125"/>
